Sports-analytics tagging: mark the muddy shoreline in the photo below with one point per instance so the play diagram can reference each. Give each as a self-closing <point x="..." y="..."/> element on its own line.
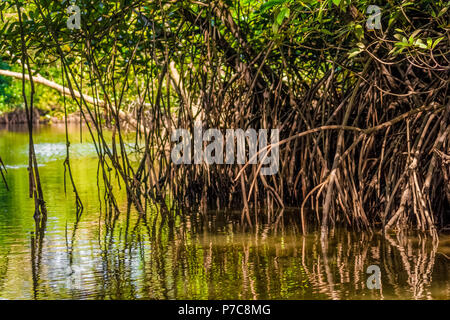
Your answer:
<point x="18" y="116"/>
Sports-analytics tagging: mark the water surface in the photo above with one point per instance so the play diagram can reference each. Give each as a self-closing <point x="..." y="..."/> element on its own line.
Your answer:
<point x="99" y="256"/>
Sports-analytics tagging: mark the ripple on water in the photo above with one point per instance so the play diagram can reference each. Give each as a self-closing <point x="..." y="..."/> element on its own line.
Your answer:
<point x="57" y="151"/>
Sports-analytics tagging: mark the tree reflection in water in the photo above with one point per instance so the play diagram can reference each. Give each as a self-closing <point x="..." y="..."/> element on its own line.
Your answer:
<point x="165" y="257"/>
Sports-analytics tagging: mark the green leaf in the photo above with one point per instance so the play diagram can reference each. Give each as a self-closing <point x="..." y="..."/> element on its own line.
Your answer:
<point x="393" y="51"/>
<point x="359" y="32"/>
<point x="415" y="33"/>
<point x="354" y="52"/>
<point x="442" y="12"/>
<point x="436" y="42"/>
<point x="284" y="13"/>
<point x="327" y="32"/>
<point x="270" y="4"/>
<point x="337" y="2"/>
<point x="419" y="43"/>
<point x="275" y="27"/>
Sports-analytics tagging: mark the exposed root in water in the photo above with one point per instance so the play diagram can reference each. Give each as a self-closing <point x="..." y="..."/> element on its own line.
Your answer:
<point x="364" y="141"/>
<point x="3" y="172"/>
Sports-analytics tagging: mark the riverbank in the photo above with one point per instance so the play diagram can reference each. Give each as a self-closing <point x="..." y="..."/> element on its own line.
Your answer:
<point x="18" y="116"/>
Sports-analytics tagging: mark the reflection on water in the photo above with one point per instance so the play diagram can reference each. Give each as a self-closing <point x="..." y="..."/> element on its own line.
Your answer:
<point x="165" y="256"/>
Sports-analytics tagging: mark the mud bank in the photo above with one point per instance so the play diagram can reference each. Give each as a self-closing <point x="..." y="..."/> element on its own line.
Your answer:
<point x="19" y="116"/>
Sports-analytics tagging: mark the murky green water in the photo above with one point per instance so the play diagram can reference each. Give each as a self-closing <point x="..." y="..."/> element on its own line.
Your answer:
<point x="95" y="257"/>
